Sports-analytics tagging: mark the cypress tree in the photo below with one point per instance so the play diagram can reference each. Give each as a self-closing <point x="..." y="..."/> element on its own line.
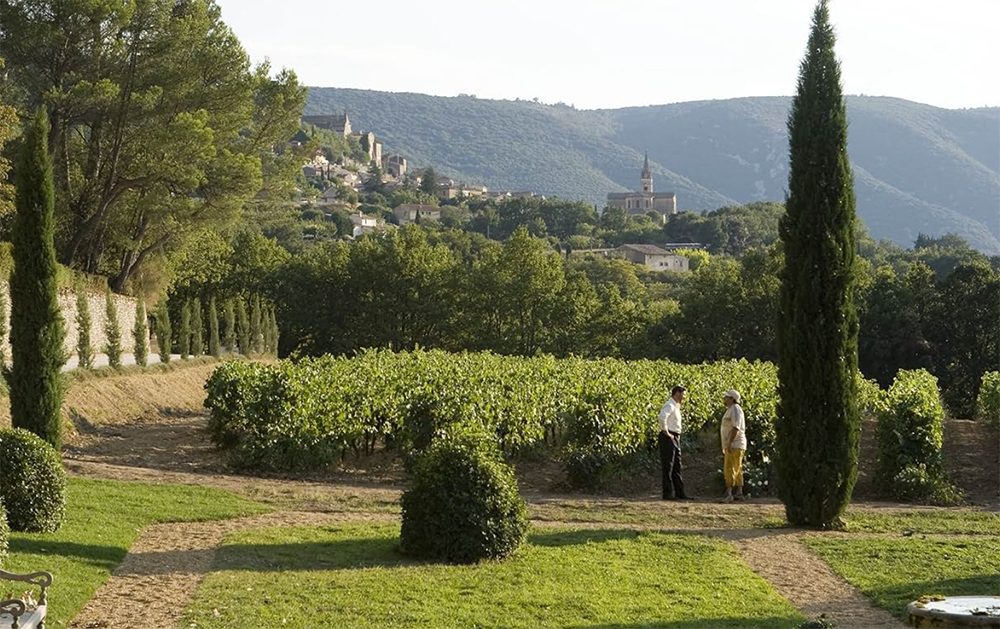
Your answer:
<point x="84" y="350"/>
<point x="36" y="327"/>
<point x="163" y="331"/>
<point x="3" y="331"/>
<point x="184" y="333"/>
<point x="197" y="334"/>
<point x="818" y="420"/>
<point x="265" y="328"/>
<point x="255" y="331"/>
<point x="229" y="340"/>
<point x="242" y="326"/>
<point x="213" y="329"/>
<point x="112" y="331"/>
<point x="275" y="332"/>
<point x="139" y="334"/>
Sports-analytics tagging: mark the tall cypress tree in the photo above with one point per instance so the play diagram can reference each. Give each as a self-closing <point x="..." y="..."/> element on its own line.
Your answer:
<point x="242" y="326"/>
<point x="197" y="329"/>
<point x="255" y="332"/>
<point x="112" y="331"/>
<point x="265" y="328"/>
<point x="275" y="332"/>
<point x="163" y="331"/>
<point x="213" y="328"/>
<point x="818" y="424"/>
<point x="229" y="339"/>
<point x="4" y="331"/>
<point x="184" y="331"/>
<point x="36" y="327"/>
<point x="84" y="350"/>
<point x="140" y="350"/>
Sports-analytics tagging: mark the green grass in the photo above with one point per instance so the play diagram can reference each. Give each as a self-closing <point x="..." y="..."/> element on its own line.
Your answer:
<point x="671" y="516"/>
<point x="927" y="521"/>
<point x="892" y="572"/>
<point x="352" y="576"/>
<point x="104" y="518"/>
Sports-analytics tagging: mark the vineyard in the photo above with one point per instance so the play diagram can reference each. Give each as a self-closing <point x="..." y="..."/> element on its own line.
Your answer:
<point x="595" y="415"/>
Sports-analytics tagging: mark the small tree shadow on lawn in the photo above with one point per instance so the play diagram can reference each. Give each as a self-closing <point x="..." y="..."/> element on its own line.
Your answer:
<point x="360" y="553"/>
<point x="107" y="557"/>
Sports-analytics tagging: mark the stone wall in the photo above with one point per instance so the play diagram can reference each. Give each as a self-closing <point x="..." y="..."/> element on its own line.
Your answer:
<point x="95" y="302"/>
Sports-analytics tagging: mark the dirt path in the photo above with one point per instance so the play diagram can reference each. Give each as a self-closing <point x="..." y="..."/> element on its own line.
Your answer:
<point x="163" y="569"/>
<point x="806" y="580"/>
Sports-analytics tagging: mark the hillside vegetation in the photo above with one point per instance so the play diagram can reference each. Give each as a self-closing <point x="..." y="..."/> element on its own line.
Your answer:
<point x="917" y="168"/>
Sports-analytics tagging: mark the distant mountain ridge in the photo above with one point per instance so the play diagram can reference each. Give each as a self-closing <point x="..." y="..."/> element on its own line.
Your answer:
<point x="918" y="168"/>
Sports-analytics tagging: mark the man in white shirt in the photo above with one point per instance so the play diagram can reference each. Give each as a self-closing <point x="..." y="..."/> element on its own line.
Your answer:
<point x="733" y="432"/>
<point x="669" y="441"/>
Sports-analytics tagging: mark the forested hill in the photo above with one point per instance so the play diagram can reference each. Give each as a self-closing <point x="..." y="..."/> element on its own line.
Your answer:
<point x="917" y="168"/>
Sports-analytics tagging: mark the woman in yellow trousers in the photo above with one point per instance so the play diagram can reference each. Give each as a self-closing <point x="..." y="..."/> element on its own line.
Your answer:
<point x="734" y="444"/>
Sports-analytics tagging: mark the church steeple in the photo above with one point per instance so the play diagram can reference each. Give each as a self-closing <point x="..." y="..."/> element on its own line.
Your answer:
<point x="646" y="178"/>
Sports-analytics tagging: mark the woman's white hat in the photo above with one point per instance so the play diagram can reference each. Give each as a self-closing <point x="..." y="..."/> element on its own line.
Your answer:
<point x="733" y="393"/>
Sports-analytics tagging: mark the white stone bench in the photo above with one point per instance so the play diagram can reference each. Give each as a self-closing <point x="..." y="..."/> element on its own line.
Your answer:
<point x="14" y="613"/>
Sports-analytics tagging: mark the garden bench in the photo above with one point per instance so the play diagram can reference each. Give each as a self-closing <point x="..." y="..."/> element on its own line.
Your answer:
<point x="18" y="614"/>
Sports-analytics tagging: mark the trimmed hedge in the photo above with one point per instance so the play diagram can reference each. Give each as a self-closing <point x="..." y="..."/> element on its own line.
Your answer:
<point x="910" y="431"/>
<point x="462" y="504"/>
<point x="32" y="482"/>
<point x="988" y="402"/>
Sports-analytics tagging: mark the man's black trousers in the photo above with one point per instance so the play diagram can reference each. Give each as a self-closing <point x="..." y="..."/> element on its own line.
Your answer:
<point x="670" y="460"/>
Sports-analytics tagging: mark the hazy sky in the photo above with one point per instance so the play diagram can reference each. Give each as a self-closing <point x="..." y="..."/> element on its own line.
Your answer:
<point x="613" y="53"/>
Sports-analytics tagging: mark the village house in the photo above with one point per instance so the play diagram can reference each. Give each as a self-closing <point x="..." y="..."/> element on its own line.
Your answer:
<point x="395" y="166"/>
<point x="410" y="212"/>
<point x="644" y="200"/>
<point x="364" y="224"/>
<point x="654" y="258"/>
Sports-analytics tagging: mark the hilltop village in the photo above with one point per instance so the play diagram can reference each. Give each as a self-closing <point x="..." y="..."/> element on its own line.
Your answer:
<point x="350" y="176"/>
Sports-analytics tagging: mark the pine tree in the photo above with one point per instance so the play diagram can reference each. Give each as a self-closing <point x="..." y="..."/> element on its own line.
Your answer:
<point x="242" y="326"/>
<point x="197" y="329"/>
<point x="229" y="339"/>
<point x="184" y="332"/>
<point x="213" y="329"/>
<point x="36" y="327"/>
<point x="112" y="331"/>
<point x="163" y="331"/>
<point x="255" y="331"/>
<point x="84" y="350"/>
<point x="140" y="349"/>
<point x="818" y="423"/>
<point x="428" y="182"/>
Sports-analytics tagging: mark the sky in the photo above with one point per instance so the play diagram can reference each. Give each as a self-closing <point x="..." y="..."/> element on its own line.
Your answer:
<point x="604" y="54"/>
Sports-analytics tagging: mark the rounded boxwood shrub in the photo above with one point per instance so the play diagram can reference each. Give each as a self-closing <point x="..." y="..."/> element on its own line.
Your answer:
<point x="32" y="482"/>
<point x="462" y="504"/>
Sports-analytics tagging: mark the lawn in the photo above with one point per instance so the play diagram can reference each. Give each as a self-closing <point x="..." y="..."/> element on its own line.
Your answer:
<point x="104" y="519"/>
<point x="352" y="576"/>
<point x="672" y="516"/>
<point x="892" y="572"/>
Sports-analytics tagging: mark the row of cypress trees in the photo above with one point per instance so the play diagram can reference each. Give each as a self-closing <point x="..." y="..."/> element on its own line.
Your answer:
<point x="112" y="332"/>
<point x="255" y="333"/>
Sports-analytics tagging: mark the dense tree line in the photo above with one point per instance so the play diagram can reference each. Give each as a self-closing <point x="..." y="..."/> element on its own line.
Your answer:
<point x="160" y="127"/>
<point x="425" y="286"/>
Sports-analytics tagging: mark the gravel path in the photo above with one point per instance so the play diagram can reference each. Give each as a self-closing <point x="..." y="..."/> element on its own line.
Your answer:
<point x="807" y="581"/>
<point x="163" y="569"/>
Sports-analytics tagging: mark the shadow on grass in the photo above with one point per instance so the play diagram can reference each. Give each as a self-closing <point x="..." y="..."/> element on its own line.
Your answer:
<point x="368" y="552"/>
<point x="107" y="557"/>
<point x="705" y="623"/>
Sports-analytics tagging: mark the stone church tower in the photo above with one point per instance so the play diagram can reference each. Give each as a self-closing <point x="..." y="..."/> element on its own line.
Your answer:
<point x="646" y="178"/>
